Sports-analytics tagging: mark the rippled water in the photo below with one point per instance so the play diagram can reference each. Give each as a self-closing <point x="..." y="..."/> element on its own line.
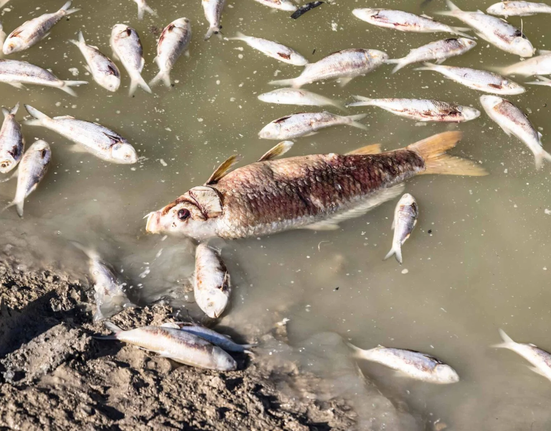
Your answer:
<point x="477" y="261"/>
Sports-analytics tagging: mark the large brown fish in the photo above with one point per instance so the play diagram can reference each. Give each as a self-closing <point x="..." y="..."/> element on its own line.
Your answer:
<point x="315" y="192"/>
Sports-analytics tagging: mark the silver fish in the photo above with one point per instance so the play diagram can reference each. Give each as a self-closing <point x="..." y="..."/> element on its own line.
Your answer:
<point x="480" y="80"/>
<point x="2" y="37"/>
<point x="296" y="96"/>
<point x="211" y="285"/>
<point x="213" y="13"/>
<point x="103" y="70"/>
<point x="515" y="122"/>
<point x="34" y="30"/>
<point x="285" y="5"/>
<point x="16" y="73"/>
<point x="417" y="365"/>
<point x="214" y="337"/>
<point x="143" y="8"/>
<point x="273" y="49"/>
<point x="422" y="109"/>
<point x="96" y="139"/>
<point x="539" y="65"/>
<point x="494" y="30"/>
<point x="518" y="8"/>
<point x="127" y="48"/>
<point x="180" y="346"/>
<point x="12" y="142"/>
<point x="173" y="42"/>
<point x="435" y="51"/>
<point x="343" y="65"/>
<point x="405" y="219"/>
<point x="307" y="123"/>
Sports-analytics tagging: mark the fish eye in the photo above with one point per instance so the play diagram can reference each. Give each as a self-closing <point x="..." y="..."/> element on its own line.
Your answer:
<point x="184" y="214"/>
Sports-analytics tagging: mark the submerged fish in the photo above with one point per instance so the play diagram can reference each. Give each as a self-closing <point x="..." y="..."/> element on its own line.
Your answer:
<point x="213" y="13"/>
<point x="143" y="8"/>
<point x="515" y="122"/>
<point x="102" y="69"/>
<point x="273" y="49"/>
<point x="214" y="337"/>
<point x="96" y="139"/>
<point x="173" y="42"/>
<point x="180" y="346"/>
<point x="34" y="30"/>
<point x="343" y="65"/>
<point x="417" y="365"/>
<point x="16" y="73"/>
<point x="297" y="96"/>
<point x="405" y="219"/>
<point x="422" y="109"/>
<point x="286" y="5"/>
<point x="314" y="192"/>
<point x="518" y="8"/>
<point x="12" y="142"/>
<point x="539" y="65"/>
<point x="211" y="284"/>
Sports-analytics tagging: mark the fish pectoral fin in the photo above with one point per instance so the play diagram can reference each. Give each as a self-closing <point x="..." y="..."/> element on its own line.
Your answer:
<point x="277" y="151"/>
<point x="369" y="149"/>
<point x="17" y="85"/>
<point x="223" y="169"/>
<point x="323" y="225"/>
<point x="343" y="81"/>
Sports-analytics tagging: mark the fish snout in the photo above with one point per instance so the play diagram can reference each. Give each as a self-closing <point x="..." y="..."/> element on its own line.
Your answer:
<point x="6" y="166"/>
<point x="153" y="222"/>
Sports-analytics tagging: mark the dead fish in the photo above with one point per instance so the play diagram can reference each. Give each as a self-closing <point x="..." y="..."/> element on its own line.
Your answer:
<point x="12" y="142"/>
<point x="16" y="73"/>
<point x="422" y="109"/>
<point x="2" y="37"/>
<point x="214" y="337"/>
<point x="518" y="8"/>
<point x="540" y="359"/>
<point x="307" y="123"/>
<point x="180" y="346"/>
<point x="143" y="8"/>
<point x="314" y="192"/>
<point x="405" y="21"/>
<point x="96" y="139"/>
<point x="343" y="65"/>
<point x="103" y="70"/>
<point x="306" y="8"/>
<point x="34" y="30"/>
<point x="542" y="80"/>
<point x="539" y="65"/>
<point x="493" y="30"/>
<point x="273" y="49"/>
<point x="417" y="365"/>
<point x="285" y="5"/>
<point x="480" y="80"/>
<point x="211" y="285"/>
<point x="296" y="96"/>
<point x="173" y="42"/>
<point x="515" y="122"/>
<point x="213" y="13"/>
<point x="435" y="51"/>
<point x="405" y="219"/>
<point x="127" y="48"/>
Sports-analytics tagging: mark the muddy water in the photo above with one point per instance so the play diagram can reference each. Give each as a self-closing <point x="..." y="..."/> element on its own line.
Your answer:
<point x="478" y="260"/>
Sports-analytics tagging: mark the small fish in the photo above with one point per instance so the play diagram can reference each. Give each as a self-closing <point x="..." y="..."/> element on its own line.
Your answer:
<point x="96" y="139"/>
<point x="405" y="219"/>
<point x="343" y="65"/>
<point x="539" y="65"/>
<point x="12" y="142"/>
<point x="213" y="13"/>
<point x="493" y="30"/>
<point x="143" y="8"/>
<point x="16" y="73"/>
<point x="34" y="30"/>
<point x="173" y="42"/>
<point x="214" y="337"/>
<point x="180" y="346"/>
<point x="306" y="8"/>
<point x="515" y="122"/>
<point x="435" y="51"/>
<point x="127" y="48"/>
<point x="211" y="285"/>
<point x="103" y="70"/>
<point x="285" y="5"/>
<point x="307" y="123"/>
<point x="518" y="8"/>
<point x="273" y="49"/>
<point x="480" y="80"/>
<point x="296" y="96"/>
<point x="540" y="359"/>
<point x="416" y="365"/>
<point x="422" y="109"/>
<point x="405" y="21"/>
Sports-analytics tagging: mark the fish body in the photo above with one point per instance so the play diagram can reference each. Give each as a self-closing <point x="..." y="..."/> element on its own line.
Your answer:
<point x="297" y="96"/>
<point x="518" y="8"/>
<point x="515" y="122"/>
<point x="539" y="65"/>
<point x="12" y="143"/>
<point x="213" y="13"/>
<point x="103" y="70"/>
<point x="215" y="338"/>
<point x="422" y="109"/>
<point x="143" y="8"/>
<point x="273" y="49"/>
<point x="405" y="219"/>
<point x="173" y="42"/>
<point x="285" y="5"/>
<point x="2" y="37"/>
<point x="314" y="192"/>
<point x="96" y="139"/>
<point x="344" y="65"/>
<point x="34" y="30"/>
<point x="127" y="48"/>
<point x="494" y="30"/>
<point x="211" y="285"/>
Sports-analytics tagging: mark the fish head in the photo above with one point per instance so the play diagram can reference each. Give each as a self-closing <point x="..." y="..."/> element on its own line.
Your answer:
<point x="490" y="102"/>
<point x="7" y="163"/>
<point x="110" y="80"/>
<point x="469" y="113"/>
<point x="407" y="199"/>
<point x="181" y="22"/>
<point x="13" y="44"/>
<point x="376" y="56"/>
<point x="466" y="42"/>
<point x="445" y="374"/>
<point x="523" y="47"/>
<point x="496" y="9"/>
<point x="224" y="362"/>
<point x="365" y="14"/>
<point x="124" y="153"/>
<point x="512" y="87"/>
<point x="272" y="130"/>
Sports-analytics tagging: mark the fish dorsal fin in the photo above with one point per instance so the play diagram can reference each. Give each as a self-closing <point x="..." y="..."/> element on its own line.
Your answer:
<point x="277" y="151"/>
<point x="369" y="149"/>
<point x="223" y="169"/>
<point x="207" y="200"/>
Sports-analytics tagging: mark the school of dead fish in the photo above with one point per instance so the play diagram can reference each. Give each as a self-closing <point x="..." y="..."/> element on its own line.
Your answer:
<point x="276" y="194"/>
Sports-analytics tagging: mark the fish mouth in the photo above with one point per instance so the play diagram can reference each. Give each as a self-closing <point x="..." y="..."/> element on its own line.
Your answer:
<point x="153" y="224"/>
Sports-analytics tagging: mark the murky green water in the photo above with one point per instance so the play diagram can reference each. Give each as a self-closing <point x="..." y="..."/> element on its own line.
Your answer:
<point x="477" y="261"/>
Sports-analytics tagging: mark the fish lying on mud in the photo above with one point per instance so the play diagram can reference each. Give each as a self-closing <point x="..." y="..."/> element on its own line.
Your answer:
<point x="143" y="8"/>
<point x="213" y="337"/>
<point x="213" y="13"/>
<point x="285" y="5"/>
<point x="315" y="192"/>
<point x="405" y="219"/>
<point x="297" y="96"/>
<point x="518" y="8"/>
<point x="273" y="49"/>
<point x="12" y="142"/>
<point x="539" y="65"/>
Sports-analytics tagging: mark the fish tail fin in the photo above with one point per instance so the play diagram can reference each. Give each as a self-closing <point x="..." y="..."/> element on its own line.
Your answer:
<point x="66" y="8"/>
<point x="361" y="101"/>
<point x="433" y="151"/>
<point x="91" y="253"/>
<point x="354" y="121"/>
<point x="460" y="31"/>
<point x="427" y="66"/>
<point x="19" y="207"/>
<point x="400" y="64"/>
<point x="542" y="81"/>
<point x="396" y="251"/>
<point x="356" y="351"/>
<point x="507" y="341"/>
<point x="136" y="82"/>
<point x="238" y="36"/>
<point x="164" y="76"/>
<point x="337" y="104"/>
<point x="112" y="327"/>
<point x="68" y="84"/>
<point x="540" y="157"/>
<point x="80" y="42"/>
<point x="452" y="11"/>
<point x="8" y="206"/>
<point x="14" y="109"/>
<point x="38" y="116"/>
<point x="293" y="82"/>
<point x="142" y="9"/>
